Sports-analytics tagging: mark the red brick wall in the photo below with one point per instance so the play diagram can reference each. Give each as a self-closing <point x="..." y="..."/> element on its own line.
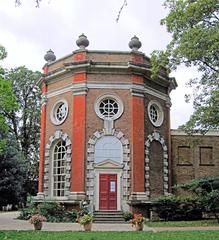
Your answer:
<point x="137" y="144"/>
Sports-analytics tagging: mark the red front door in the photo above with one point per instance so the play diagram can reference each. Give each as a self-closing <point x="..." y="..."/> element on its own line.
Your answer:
<point x="108" y="192"/>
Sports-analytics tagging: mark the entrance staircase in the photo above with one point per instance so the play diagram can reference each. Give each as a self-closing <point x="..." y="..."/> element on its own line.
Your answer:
<point x="108" y="217"/>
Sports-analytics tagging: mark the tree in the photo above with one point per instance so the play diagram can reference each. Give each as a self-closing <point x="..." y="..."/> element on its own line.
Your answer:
<point x="24" y="123"/>
<point x="19" y="132"/>
<point x="194" y="25"/>
<point x="7" y="100"/>
<point x="12" y="167"/>
<point x="12" y="173"/>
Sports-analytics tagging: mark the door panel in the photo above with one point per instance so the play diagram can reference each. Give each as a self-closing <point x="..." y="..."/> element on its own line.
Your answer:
<point x="103" y="192"/>
<point x="108" y="192"/>
<point x="112" y="192"/>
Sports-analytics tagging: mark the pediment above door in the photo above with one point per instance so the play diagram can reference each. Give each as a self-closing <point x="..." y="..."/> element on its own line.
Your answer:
<point x="108" y="164"/>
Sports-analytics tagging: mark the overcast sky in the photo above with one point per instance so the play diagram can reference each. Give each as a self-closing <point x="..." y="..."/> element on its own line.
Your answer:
<point x="28" y="32"/>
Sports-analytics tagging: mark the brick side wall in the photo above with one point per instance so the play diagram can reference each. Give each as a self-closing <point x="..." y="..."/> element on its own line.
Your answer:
<point x="66" y="127"/>
<point x="63" y="82"/>
<point x="109" y="78"/>
<point x="186" y="157"/>
<point x="149" y="127"/>
<point x="94" y="123"/>
<point x="155" y="150"/>
<point x="156" y="170"/>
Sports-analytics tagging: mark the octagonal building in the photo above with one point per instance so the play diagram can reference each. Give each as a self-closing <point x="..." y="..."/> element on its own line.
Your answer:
<point x="105" y="129"/>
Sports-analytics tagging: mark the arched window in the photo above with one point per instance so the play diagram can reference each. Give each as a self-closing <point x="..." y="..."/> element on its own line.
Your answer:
<point x="59" y="165"/>
<point x="108" y="147"/>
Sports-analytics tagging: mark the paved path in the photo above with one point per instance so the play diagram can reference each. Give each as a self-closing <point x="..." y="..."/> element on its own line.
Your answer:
<point x="8" y="221"/>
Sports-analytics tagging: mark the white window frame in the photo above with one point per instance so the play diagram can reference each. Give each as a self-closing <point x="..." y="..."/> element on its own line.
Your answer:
<point x="53" y="117"/>
<point x="111" y="97"/>
<point x="160" y="113"/>
<point x="53" y="168"/>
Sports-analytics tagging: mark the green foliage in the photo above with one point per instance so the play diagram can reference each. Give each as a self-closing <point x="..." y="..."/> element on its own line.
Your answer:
<point x="52" y="211"/>
<point x="12" y="173"/>
<point x="19" y="119"/>
<point x="87" y="218"/>
<point x="7" y="100"/>
<point x="71" y="216"/>
<point x="158" y="60"/>
<point x="82" y="212"/>
<point x="194" y="26"/>
<point x="3" y="53"/>
<point x="24" y="122"/>
<point x="7" y="103"/>
<point x="128" y="216"/>
<point x="210" y="202"/>
<point x="207" y="189"/>
<point x="28" y="212"/>
<point x="201" y="186"/>
<point x="170" y="208"/>
<point x="206" y="114"/>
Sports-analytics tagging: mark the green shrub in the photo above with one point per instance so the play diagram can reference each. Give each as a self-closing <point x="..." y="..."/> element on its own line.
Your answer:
<point x="28" y="212"/>
<point x="177" y="208"/>
<point x="72" y="215"/>
<point x="128" y="216"/>
<point x="207" y="190"/>
<point x="82" y="212"/>
<point x="52" y="211"/>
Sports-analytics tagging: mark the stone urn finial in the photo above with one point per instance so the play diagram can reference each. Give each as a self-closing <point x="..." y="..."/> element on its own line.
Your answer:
<point x="50" y="56"/>
<point x="82" y="41"/>
<point x="134" y="44"/>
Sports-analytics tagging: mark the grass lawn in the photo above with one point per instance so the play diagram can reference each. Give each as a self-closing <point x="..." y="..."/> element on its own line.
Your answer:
<point x="199" y="223"/>
<point x="182" y="235"/>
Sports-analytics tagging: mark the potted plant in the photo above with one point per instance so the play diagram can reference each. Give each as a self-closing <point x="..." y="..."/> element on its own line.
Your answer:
<point x="37" y="221"/>
<point x="128" y="216"/>
<point x="138" y="221"/>
<point x="86" y="221"/>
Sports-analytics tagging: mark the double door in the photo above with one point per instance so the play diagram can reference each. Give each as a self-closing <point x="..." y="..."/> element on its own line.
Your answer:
<point x="108" y="191"/>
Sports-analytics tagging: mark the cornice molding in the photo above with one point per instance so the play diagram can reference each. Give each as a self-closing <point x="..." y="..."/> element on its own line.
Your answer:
<point x="123" y="67"/>
<point x="135" y="89"/>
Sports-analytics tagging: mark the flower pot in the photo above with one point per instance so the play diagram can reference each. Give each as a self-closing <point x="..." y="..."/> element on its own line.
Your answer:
<point x="139" y="227"/>
<point x="87" y="226"/>
<point x="38" y="226"/>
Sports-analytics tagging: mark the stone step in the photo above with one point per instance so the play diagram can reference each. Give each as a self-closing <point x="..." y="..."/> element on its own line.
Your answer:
<point x="108" y="217"/>
<point x="109" y="222"/>
<point x="108" y="212"/>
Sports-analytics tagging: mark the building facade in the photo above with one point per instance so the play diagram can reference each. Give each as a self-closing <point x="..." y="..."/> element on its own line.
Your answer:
<point x="105" y="131"/>
<point x="194" y="156"/>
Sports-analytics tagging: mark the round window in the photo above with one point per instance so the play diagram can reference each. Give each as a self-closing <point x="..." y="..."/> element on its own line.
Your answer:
<point x="108" y="106"/>
<point x="59" y="112"/>
<point x="155" y="113"/>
